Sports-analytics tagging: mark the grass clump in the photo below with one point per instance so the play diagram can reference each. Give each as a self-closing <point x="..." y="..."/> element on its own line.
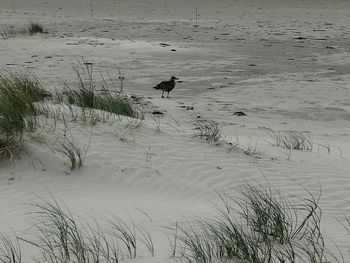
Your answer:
<point x="292" y="140"/>
<point x="18" y="94"/>
<point x="208" y="130"/>
<point x="31" y="29"/>
<point x="266" y="228"/>
<point x="63" y="238"/>
<point x="35" y="28"/>
<point x="87" y="95"/>
<point x="73" y="152"/>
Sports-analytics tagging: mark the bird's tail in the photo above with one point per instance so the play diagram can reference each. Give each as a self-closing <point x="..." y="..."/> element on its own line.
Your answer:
<point x="156" y="87"/>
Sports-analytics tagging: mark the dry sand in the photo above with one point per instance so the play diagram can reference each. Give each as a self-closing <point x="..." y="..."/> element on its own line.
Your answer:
<point x="284" y="64"/>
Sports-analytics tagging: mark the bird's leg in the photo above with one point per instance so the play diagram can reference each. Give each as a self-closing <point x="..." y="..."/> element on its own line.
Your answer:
<point x="168" y="95"/>
<point x="163" y="94"/>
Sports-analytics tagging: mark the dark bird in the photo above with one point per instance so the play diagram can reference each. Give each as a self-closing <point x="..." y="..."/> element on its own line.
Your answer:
<point x="166" y="86"/>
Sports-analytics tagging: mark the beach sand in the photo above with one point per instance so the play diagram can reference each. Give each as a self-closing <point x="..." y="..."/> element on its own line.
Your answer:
<point x="286" y="65"/>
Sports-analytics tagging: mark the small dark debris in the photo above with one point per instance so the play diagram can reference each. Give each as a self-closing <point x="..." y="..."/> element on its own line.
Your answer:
<point x="218" y="167"/>
<point x="157" y="112"/>
<point x="299" y="38"/>
<point x="329" y="47"/>
<point x="198" y="117"/>
<point x="174" y="50"/>
<point x="48" y="57"/>
<point x="164" y="44"/>
<point x="252" y="65"/>
<point x="240" y="113"/>
<point x="189" y="108"/>
<point x="136" y="98"/>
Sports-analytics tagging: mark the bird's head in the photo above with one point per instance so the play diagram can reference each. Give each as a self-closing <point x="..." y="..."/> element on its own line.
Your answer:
<point x="173" y="78"/>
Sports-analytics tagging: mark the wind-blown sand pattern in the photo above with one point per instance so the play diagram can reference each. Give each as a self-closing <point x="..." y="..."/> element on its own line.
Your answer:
<point x="283" y="63"/>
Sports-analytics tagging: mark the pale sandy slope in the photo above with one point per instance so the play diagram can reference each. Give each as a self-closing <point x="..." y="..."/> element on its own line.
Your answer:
<point x="285" y="65"/>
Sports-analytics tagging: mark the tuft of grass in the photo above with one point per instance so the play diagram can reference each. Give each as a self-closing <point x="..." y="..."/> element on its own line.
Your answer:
<point x="267" y="228"/>
<point x="31" y="29"/>
<point x="73" y="152"/>
<point x="87" y="95"/>
<point x="116" y="105"/>
<point x="208" y="130"/>
<point x="35" y="28"/>
<point x="18" y="94"/>
<point x="129" y="234"/>
<point x="64" y="239"/>
<point x="292" y="140"/>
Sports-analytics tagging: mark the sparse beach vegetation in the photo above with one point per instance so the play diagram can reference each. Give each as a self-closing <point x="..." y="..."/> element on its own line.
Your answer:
<point x="88" y="95"/>
<point x="32" y="29"/>
<point x="208" y="130"/>
<point x="35" y="28"/>
<point x="24" y="101"/>
<point x="61" y="237"/>
<point x="260" y="226"/>
<point x="292" y="140"/>
<point x="18" y="114"/>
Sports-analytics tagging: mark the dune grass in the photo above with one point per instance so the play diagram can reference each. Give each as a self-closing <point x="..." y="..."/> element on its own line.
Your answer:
<point x="35" y="28"/>
<point x="63" y="238"/>
<point x="266" y="228"/>
<point x="88" y="95"/>
<point x="31" y="29"/>
<point x="259" y="227"/>
<point x="10" y="250"/>
<point x="21" y="108"/>
<point x="208" y="130"/>
<point x="18" y="94"/>
<point x="292" y="140"/>
<point x="69" y="148"/>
